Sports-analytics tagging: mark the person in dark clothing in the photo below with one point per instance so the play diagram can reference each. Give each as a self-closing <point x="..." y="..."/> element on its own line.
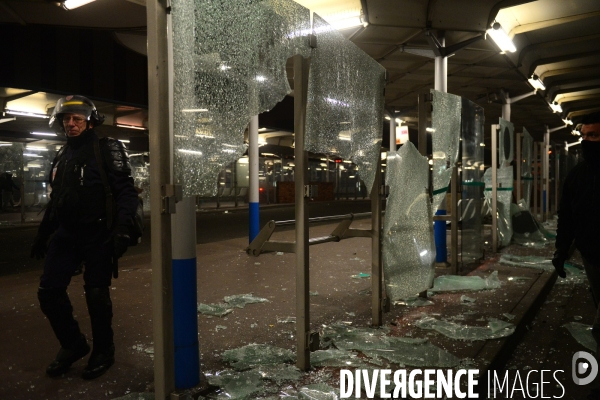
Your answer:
<point x="7" y="185"/>
<point x="88" y="223"/>
<point x="578" y="221"/>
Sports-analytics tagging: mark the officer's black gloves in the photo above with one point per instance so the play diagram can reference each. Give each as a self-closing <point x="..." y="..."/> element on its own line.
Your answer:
<point x="39" y="247"/>
<point x="120" y="241"/>
<point x="559" y="262"/>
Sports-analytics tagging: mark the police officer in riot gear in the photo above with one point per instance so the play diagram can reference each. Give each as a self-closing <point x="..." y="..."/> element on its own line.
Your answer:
<point x="90" y="221"/>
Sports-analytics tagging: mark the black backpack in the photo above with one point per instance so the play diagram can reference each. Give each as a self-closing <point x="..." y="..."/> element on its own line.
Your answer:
<point x="137" y="230"/>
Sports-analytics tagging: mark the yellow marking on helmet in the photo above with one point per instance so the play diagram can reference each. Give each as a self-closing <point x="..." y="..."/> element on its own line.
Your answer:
<point x="72" y="103"/>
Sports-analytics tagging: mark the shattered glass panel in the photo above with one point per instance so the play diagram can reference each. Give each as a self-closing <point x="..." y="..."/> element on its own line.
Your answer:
<point x="279" y="373"/>
<point x="506" y="137"/>
<point x="140" y="171"/>
<point x="526" y="229"/>
<point x="408" y="248"/>
<point x="527" y="261"/>
<point x="240" y="300"/>
<point x="237" y="385"/>
<point x="336" y="358"/>
<point x="449" y="283"/>
<point x="494" y="330"/>
<point x="414" y="302"/>
<point x="445" y="121"/>
<point x="344" y="112"/>
<point x="583" y="334"/>
<point x="504" y="195"/>
<point x="526" y="167"/>
<point x="257" y="354"/>
<point x="218" y="310"/>
<point x="228" y="66"/>
<point x="318" y="391"/>
<point x="375" y="343"/>
<point x="472" y="182"/>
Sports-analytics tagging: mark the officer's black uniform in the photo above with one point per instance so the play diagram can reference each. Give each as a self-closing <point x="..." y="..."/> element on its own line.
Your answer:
<point x="78" y="215"/>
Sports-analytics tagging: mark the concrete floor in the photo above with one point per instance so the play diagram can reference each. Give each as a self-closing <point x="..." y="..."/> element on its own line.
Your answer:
<point x="27" y="343"/>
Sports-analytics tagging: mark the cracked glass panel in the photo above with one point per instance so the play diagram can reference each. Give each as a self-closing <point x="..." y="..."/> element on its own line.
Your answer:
<point x="445" y="122"/>
<point x="449" y="283"/>
<point x="318" y="391"/>
<point x="527" y="261"/>
<point x="494" y="330"/>
<point x="504" y="194"/>
<point x="526" y="230"/>
<point x="472" y="182"/>
<point x="506" y="137"/>
<point x="344" y="112"/>
<point x="140" y="171"/>
<point x="228" y="66"/>
<point x="408" y="248"/>
<point x="526" y="167"/>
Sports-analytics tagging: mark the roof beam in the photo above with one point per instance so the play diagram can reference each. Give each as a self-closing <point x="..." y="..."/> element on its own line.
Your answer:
<point x="551" y="22"/>
<point x="554" y="43"/>
<point x="564" y="71"/>
<point x="572" y="85"/>
<point x="557" y="59"/>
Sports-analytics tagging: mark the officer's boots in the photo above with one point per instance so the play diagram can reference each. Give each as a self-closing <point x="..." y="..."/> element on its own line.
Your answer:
<point x="100" y="309"/>
<point x="55" y="304"/>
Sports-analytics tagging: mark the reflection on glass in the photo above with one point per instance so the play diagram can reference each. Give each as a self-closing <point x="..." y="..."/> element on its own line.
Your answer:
<point x="445" y="121"/>
<point x="228" y="66"/>
<point x="472" y="184"/>
<point x="344" y="113"/>
<point x="408" y="248"/>
<point x="526" y="175"/>
<point x="140" y="171"/>
<point x="504" y="193"/>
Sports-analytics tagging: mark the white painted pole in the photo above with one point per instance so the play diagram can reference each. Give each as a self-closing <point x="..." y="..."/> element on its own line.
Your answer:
<point x="253" y="197"/>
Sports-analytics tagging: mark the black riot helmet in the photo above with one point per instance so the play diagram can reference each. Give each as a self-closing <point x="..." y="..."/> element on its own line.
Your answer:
<point x="74" y="105"/>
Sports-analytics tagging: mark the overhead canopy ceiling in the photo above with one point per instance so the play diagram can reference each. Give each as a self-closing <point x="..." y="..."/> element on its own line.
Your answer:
<point x="557" y="40"/>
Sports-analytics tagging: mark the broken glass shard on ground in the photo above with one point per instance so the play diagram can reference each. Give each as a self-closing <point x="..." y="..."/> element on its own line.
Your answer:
<point x="237" y="385"/>
<point x="375" y="343"/>
<point x="527" y="261"/>
<point x="336" y="358"/>
<point x="361" y="275"/>
<point x="286" y="320"/>
<point x="494" y="330"/>
<point x="445" y="121"/>
<point x="414" y="302"/>
<point x="575" y="274"/>
<point x="240" y="300"/>
<point x="450" y="283"/>
<point x="318" y="391"/>
<point x="136" y="396"/>
<point x="583" y="334"/>
<point x="526" y="230"/>
<point x="408" y="248"/>
<point x="228" y="67"/>
<point x="216" y="309"/>
<point x="279" y="373"/>
<point x="257" y="354"/>
<point x="344" y="112"/>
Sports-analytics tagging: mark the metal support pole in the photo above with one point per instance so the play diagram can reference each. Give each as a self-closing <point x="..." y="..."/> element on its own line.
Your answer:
<point x="160" y="177"/>
<point x="441" y="67"/>
<point x="495" y="188"/>
<point x="376" y="256"/>
<point x="392" y="133"/>
<point x="519" y="162"/>
<point x="547" y="175"/>
<point x="556" y="178"/>
<point x="506" y="110"/>
<point x="253" y="202"/>
<point x="301" y="66"/>
<point x="454" y="221"/>
<point x="185" y="303"/>
<point x="535" y="173"/>
<point x="23" y="187"/>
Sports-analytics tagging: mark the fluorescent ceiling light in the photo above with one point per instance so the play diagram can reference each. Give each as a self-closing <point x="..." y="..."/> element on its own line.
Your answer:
<point x="567" y="121"/>
<point x="262" y="129"/>
<point x="400" y="121"/>
<point x="36" y="148"/>
<point x="555" y="107"/>
<point x="388" y="118"/>
<point x="575" y="133"/>
<point x="124" y="140"/>
<point x="139" y="128"/>
<point x="7" y="119"/>
<point x="536" y="82"/>
<point x="5" y="144"/>
<point x="501" y="39"/>
<point x="27" y="114"/>
<point x="260" y="78"/>
<point x="429" y="130"/>
<point x="194" y="110"/>
<point x="31" y="155"/>
<point x="72" y="4"/>
<point x="43" y="133"/>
